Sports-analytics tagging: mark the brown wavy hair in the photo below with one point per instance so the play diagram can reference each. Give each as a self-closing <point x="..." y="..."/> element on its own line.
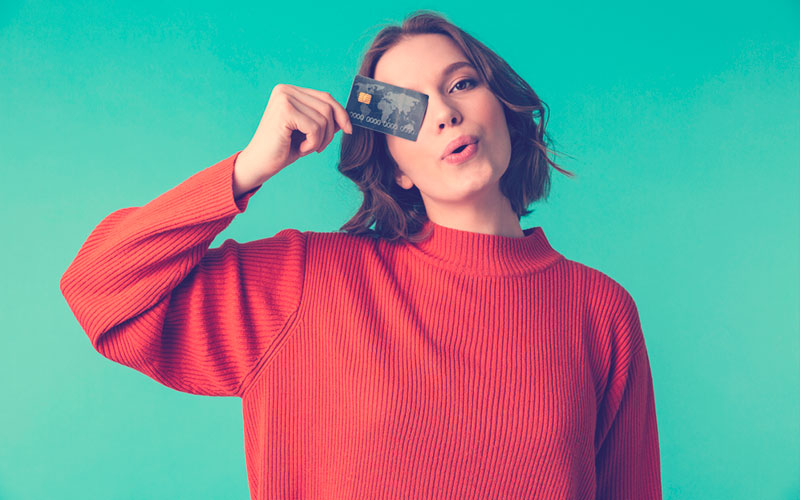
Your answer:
<point x="364" y="157"/>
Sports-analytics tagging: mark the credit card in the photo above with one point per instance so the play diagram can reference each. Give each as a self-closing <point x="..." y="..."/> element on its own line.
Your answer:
<point x="386" y="108"/>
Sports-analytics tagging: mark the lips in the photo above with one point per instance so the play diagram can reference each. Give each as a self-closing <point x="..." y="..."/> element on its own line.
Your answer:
<point x="456" y="143"/>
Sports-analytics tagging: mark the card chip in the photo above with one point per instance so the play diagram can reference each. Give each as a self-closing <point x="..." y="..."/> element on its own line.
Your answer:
<point x="364" y="97"/>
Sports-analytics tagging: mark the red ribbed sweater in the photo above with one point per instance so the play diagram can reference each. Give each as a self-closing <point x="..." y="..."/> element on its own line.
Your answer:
<point x="468" y="366"/>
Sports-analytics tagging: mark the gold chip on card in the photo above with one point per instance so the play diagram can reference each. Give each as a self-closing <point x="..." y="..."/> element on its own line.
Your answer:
<point x="364" y="97"/>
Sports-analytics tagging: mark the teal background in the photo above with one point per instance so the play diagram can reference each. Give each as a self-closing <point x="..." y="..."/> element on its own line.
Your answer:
<point x="681" y="120"/>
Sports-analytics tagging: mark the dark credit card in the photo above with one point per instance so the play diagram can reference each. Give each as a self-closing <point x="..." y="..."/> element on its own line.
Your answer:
<point x="386" y="108"/>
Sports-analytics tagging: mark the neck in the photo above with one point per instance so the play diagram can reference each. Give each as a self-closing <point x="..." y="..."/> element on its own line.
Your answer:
<point x="495" y="217"/>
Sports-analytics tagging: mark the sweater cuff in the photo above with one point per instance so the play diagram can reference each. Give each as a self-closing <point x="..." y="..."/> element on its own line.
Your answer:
<point x="241" y="201"/>
<point x="216" y="185"/>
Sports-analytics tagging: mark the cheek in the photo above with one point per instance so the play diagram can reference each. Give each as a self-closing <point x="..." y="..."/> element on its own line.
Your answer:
<point x="497" y="114"/>
<point x="501" y="139"/>
<point x="405" y="153"/>
<point x="398" y="150"/>
<point x="494" y="118"/>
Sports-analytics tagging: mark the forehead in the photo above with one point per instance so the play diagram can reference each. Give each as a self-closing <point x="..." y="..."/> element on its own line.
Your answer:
<point x="418" y="60"/>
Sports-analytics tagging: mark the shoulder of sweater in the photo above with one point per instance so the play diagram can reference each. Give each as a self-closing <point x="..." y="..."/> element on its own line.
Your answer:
<point x="611" y="309"/>
<point x="332" y="243"/>
<point x="341" y="239"/>
<point x="305" y="238"/>
<point x="600" y="286"/>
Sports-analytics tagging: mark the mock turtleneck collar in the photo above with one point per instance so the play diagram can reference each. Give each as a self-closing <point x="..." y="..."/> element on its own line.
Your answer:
<point x="486" y="254"/>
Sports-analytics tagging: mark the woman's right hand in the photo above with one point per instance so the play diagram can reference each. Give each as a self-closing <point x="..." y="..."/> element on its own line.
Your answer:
<point x="296" y="122"/>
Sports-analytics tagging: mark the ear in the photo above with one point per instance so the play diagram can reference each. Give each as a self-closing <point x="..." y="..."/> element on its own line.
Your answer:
<point x="404" y="181"/>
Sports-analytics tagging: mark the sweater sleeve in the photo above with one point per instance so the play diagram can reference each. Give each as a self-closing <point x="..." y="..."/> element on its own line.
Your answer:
<point x="151" y="295"/>
<point x="627" y="459"/>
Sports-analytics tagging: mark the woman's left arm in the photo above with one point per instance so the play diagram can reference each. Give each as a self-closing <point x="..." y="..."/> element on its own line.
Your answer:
<point x="627" y="459"/>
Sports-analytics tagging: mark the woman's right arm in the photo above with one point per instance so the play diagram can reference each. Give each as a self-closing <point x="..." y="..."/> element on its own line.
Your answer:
<point x="151" y="295"/>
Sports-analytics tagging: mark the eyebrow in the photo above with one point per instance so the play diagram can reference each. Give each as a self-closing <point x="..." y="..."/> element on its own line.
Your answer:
<point x="454" y="66"/>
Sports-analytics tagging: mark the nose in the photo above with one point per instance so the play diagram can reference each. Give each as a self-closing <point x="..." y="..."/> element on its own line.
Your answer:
<point x="453" y="120"/>
<point x="447" y="114"/>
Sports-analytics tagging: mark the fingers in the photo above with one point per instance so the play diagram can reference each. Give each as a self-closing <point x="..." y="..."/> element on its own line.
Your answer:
<point x="312" y="123"/>
<point x="341" y="118"/>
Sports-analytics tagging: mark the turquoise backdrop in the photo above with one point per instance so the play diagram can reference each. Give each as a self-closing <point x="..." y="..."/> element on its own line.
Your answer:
<point x="681" y="120"/>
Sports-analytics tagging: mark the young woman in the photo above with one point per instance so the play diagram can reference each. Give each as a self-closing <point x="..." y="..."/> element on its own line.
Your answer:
<point x="445" y="354"/>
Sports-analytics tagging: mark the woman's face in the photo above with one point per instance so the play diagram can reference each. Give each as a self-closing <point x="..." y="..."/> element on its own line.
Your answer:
<point x="459" y="103"/>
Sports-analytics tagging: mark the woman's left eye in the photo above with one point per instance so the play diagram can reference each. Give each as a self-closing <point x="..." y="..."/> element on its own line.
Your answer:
<point x="465" y="80"/>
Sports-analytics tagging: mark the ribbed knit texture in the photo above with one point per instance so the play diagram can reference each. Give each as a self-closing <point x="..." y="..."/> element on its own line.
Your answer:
<point x="468" y="366"/>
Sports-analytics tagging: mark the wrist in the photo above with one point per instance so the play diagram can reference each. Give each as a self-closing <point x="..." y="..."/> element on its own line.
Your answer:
<point x="245" y="177"/>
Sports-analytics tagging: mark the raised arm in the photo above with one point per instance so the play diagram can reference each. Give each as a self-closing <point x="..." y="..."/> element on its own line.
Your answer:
<point x="151" y="295"/>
